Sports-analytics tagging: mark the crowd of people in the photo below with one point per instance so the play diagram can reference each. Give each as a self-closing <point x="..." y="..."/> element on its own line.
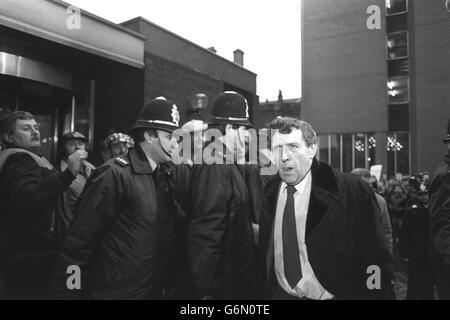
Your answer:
<point x="140" y="226"/>
<point x="404" y="203"/>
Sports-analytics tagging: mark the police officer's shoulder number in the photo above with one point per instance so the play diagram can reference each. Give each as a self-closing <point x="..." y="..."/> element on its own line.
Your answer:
<point x="121" y="162"/>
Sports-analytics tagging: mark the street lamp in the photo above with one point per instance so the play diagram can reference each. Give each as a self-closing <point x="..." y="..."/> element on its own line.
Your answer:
<point x="199" y="102"/>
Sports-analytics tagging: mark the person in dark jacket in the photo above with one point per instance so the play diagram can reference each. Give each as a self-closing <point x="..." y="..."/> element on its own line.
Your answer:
<point x="444" y="166"/>
<point x="30" y="215"/>
<point x="415" y="246"/>
<point x="440" y="233"/>
<point x="70" y="143"/>
<point x="440" y="224"/>
<point x="123" y="230"/>
<point x="319" y="231"/>
<point x="224" y="203"/>
<point x="385" y="219"/>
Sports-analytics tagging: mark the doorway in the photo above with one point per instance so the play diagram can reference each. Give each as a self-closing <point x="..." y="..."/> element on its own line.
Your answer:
<point x="51" y="106"/>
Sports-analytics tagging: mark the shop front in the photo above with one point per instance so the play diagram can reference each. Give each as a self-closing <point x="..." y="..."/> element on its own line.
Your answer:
<point x="51" y="70"/>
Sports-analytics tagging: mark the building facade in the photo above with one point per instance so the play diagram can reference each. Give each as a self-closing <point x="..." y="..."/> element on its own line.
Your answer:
<point x="377" y="95"/>
<point x="77" y="71"/>
<point x="182" y="71"/>
<point x="269" y="110"/>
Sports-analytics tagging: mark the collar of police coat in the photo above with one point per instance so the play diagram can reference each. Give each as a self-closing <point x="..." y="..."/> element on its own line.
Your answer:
<point x="447" y="158"/>
<point x="139" y="161"/>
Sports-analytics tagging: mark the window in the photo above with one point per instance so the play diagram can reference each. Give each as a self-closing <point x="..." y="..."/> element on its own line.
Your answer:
<point x="323" y="148"/>
<point x="397" y="45"/>
<point x="335" y="149"/>
<point x="360" y="150"/>
<point x="398" y="153"/>
<point x="398" y="68"/>
<point x="398" y="90"/>
<point x="399" y="117"/>
<point x="347" y="154"/>
<point x="403" y="153"/>
<point x="371" y="147"/>
<point x="397" y="23"/>
<point x="396" y="6"/>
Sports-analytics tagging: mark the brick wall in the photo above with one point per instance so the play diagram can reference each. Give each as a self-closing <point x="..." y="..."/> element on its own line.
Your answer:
<point x="119" y="98"/>
<point x="268" y="111"/>
<point x="121" y="92"/>
<point x="178" y="83"/>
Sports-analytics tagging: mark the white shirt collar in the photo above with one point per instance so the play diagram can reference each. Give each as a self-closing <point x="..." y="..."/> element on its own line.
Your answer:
<point x="301" y="185"/>
<point x="153" y="164"/>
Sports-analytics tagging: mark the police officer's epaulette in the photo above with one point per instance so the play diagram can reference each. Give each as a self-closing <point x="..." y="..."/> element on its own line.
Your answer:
<point x="122" y="162"/>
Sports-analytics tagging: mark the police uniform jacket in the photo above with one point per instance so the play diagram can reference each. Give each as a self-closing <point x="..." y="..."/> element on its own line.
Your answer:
<point x="440" y="232"/>
<point x="121" y="233"/>
<point x="219" y="239"/>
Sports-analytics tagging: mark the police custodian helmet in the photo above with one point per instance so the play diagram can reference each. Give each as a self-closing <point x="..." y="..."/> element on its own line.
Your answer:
<point x="160" y="114"/>
<point x="230" y="108"/>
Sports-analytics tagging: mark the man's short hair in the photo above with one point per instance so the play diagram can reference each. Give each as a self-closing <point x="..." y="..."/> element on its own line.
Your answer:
<point x="8" y="121"/>
<point x="285" y="125"/>
<point x="222" y="127"/>
<point x="138" y="134"/>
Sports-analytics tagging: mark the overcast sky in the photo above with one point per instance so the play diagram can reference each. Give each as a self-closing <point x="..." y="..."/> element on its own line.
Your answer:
<point x="268" y="31"/>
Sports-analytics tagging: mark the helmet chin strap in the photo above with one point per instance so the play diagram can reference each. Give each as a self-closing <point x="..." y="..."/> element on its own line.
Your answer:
<point x="162" y="147"/>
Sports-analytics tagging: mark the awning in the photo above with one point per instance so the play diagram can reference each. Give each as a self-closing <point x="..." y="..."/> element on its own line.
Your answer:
<point x="55" y="20"/>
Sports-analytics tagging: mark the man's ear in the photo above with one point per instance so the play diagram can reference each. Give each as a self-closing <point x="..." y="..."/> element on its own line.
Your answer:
<point x="312" y="150"/>
<point x="228" y="127"/>
<point x="150" y="138"/>
<point x="6" y="138"/>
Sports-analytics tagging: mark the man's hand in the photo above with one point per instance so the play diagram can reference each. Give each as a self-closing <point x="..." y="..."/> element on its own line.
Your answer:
<point x="75" y="161"/>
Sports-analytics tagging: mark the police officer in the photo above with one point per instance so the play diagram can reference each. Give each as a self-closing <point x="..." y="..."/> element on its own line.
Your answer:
<point x="220" y="237"/>
<point x="440" y="223"/>
<point x="444" y="166"/>
<point x="123" y="227"/>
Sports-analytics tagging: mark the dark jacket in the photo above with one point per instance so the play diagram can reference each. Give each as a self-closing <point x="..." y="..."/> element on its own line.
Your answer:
<point x="342" y="236"/>
<point x="444" y="166"/>
<point x="220" y="238"/>
<point x="122" y="232"/>
<point x="440" y="232"/>
<point x="415" y="246"/>
<point x="29" y="219"/>
<point x="415" y="234"/>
